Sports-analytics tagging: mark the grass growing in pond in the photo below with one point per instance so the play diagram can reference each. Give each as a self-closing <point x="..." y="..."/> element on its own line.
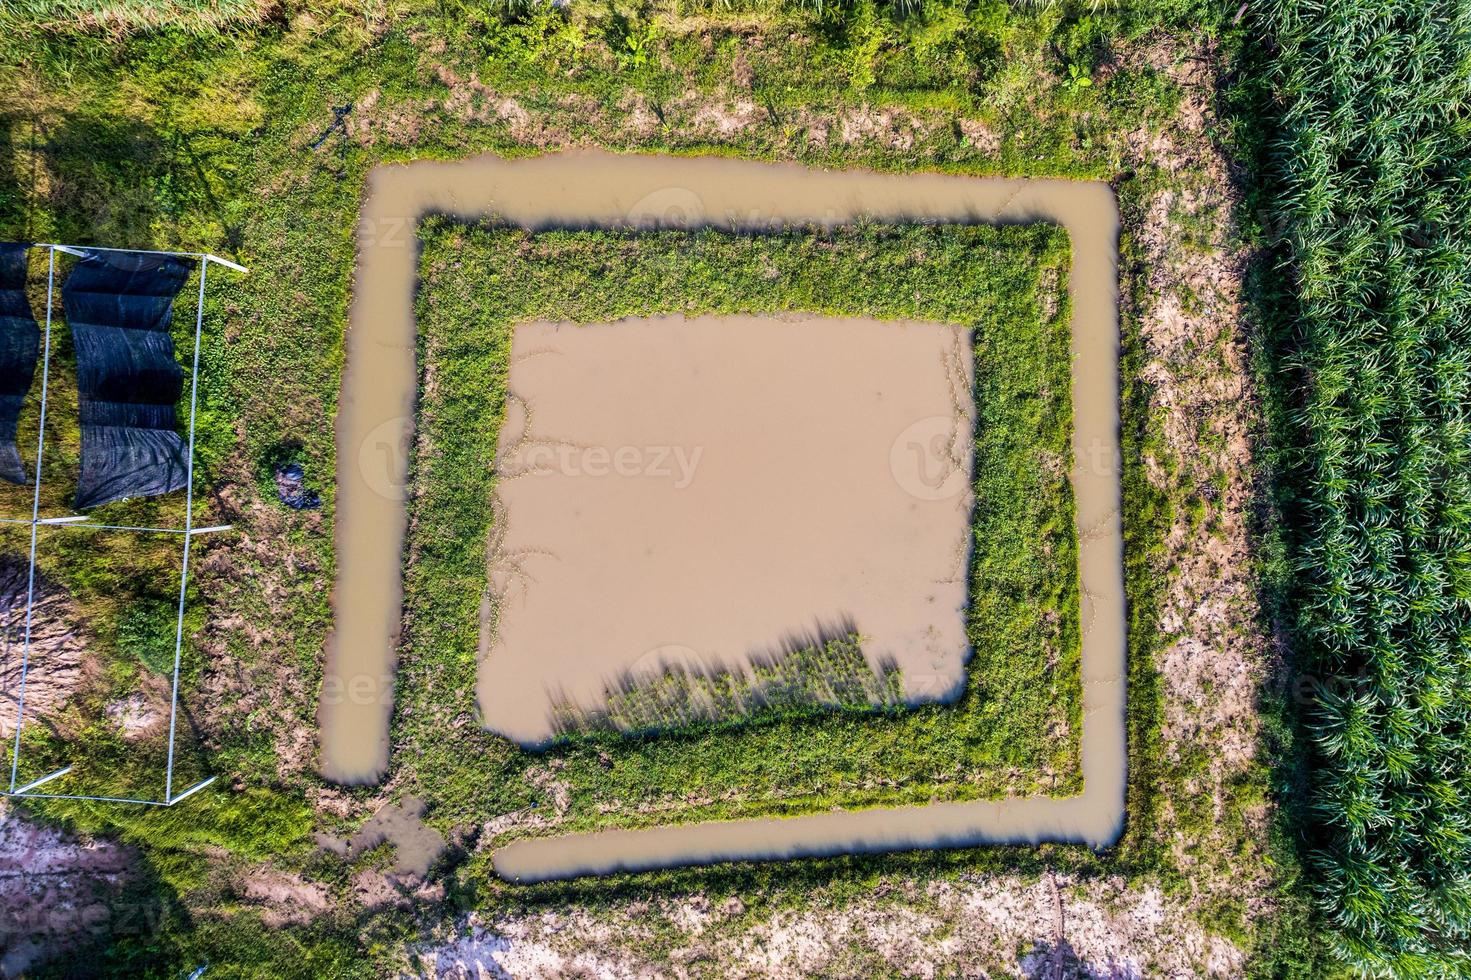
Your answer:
<point x="1015" y="729"/>
<point x="829" y="676"/>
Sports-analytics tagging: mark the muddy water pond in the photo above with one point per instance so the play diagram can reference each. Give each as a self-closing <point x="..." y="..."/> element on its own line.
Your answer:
<point x="712" y="493"/>
<point x="594" y="189"/>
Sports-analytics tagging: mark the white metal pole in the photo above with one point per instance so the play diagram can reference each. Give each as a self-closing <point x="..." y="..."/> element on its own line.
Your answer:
<point x="190" y="791"/>
<point x="25" y="656"/>
<point x="42" y="781"/>
<point x="78" y="796"/>
<point x="168" y="792"/>
<point x="82" y="250"/>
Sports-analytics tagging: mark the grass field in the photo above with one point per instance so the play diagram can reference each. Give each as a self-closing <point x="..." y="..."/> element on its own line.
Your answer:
<point x="114" y="17"/>
<point x="211" y="141"/>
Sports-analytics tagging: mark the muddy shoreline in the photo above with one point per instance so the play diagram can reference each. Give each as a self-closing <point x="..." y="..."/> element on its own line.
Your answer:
<point x="595" y="189"/>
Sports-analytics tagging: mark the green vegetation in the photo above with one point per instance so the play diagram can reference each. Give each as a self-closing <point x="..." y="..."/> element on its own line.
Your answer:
<point x="194" y="139"/>
<point x="832" y="676"/>
<point x="1023" y="677"/>
<point x="116" y="16"/>
<point x="1368" y="181"/>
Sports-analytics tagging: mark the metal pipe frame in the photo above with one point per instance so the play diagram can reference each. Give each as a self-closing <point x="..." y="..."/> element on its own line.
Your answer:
<point x="82" y="522"/>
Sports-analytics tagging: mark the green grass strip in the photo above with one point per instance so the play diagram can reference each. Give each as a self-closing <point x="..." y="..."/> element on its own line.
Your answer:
<point x="1015" y="729"/>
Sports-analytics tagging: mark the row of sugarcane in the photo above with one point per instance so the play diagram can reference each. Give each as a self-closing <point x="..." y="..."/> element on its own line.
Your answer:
<point x="1373" y="170"/>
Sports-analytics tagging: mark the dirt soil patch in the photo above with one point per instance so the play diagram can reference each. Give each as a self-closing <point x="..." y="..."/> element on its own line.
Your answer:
<point x="56" y="891"/>
<point x="415" y="845"/>
<point x="56" y="648"/>
<point x="1050" y="927"/>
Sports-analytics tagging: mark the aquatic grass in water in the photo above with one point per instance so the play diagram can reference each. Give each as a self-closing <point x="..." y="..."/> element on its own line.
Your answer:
<point x="827" y="676"/>
<point x="1014" y="729"/>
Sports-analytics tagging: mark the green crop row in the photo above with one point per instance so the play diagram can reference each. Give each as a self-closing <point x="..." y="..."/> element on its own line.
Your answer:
<point x="115" y="16"/>
<point x="1371" y="168"/>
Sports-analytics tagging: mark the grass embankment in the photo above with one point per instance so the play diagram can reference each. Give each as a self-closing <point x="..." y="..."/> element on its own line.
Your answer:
<point x="1016" y="728"/>
<point x="1369" y="182"/>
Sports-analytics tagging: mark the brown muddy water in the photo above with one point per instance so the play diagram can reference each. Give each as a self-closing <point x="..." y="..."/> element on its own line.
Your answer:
<point x="721" y="490"/>
<point x="595" y="189"/>
<point x="415" y="844"/>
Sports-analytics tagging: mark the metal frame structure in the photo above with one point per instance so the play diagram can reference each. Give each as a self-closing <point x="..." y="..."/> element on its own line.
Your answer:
<point x="82" y="522"/>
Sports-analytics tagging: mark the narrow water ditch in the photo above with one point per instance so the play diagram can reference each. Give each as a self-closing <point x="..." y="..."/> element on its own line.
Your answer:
<point x="596" y="189"/>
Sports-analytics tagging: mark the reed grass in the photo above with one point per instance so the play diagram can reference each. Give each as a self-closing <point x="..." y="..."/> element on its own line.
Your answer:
<point x="125" y="16"/>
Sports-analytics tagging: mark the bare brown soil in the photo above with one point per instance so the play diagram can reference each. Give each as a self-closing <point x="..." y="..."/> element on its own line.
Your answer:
<point x="1190" y="316"/>
<point x="56" y="892"/>
<point x="1048" y="928"/>
<point x="284" y="898"/>
<point x="56" y="669"/>
<point x="143" y="712"/>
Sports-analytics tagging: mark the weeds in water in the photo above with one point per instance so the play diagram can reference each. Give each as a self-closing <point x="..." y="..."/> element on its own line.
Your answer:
<point x="826" y="676"/>
<point x="1015" y="726"/>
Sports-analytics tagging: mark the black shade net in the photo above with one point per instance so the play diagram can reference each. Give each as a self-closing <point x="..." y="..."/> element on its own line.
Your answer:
<point x="120" y="306"/>
<point x="20" y="344"/>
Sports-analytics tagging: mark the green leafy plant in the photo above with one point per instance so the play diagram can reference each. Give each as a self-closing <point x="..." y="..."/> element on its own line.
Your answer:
<point x="638" y="45"/>
<point x="1077" y="79"/>
<point x="147" y="631"/>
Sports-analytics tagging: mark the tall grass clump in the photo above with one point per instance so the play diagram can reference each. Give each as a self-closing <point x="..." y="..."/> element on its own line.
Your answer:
<point x="125" y="16"/>
<point x="804" y="681"/>
<point x="1370" y="177"/>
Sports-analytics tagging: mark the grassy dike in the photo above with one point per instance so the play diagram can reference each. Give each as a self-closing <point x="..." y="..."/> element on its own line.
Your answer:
<point x="1014" y="731"/>
<point x="199" y="139"/>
